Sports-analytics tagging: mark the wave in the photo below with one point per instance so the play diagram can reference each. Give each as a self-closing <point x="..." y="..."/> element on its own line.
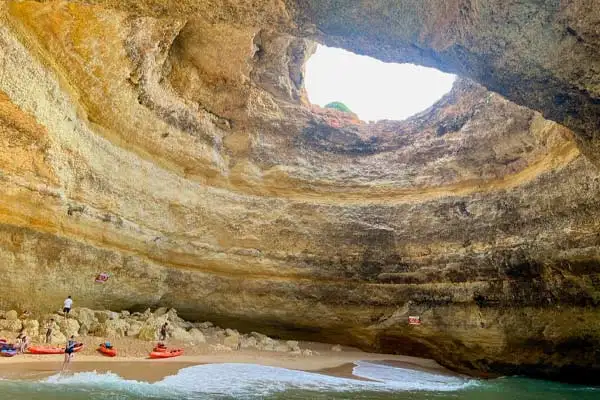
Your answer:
<point x="403" y="379"/>
<point x="255" y="381"/>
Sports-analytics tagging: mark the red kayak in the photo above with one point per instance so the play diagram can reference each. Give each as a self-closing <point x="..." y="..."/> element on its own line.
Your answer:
<point x="159" y="349"/>
<point x="52" y="350"/>
<point x="166" y="354"/>
<point x="106" y="351"/>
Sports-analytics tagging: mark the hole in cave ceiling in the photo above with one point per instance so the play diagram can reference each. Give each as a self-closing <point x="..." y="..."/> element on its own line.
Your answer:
<point x="372" y="89"/>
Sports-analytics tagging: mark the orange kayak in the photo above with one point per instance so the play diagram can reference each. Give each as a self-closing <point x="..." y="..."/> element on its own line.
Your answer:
<point x="107" y="352"/>
<point x="166" y="354"/>
<point x="52" y="349"/>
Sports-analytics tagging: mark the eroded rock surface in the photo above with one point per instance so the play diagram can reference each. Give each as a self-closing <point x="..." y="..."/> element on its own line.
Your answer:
<point x="170" y="145"/>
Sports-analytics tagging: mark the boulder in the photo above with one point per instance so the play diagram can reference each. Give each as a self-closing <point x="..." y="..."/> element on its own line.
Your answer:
<point x="146" y="314"/>
<point x="259" y="336"/>
<point x="337" y="347"/>
<point x="102" y="316"/>
<point x="149" y="330"/>
<point x="57" y="337"/>
<point x="282" y="348"/>
<point x="248" y="342"/>
<point x="181" y="335"/>
<point x="87" y="320"/>
<point x="231" y="332"/>
<point x="204" y="325"/>
<point x="112" y="328"/>
<point x="264" y="342"/>
<point x="69" y="326"/>
<point x="134" y="327"/>
<point x="216" y="333"/>
<point x="125" y="314"/>
<point x="159" y="312"/>
<point x="197" y="336"/>
<point x="11" y="325"/>
<point x="307" y="352"/>
<point x="177" y="321"/>
<point x="148" y="333"/>
<point x="32" y="327"/>
<point x="232" y="340"/>
<point x="220" y="347"/>
<point x="292" y="345"/>
<point x="11" y="315"/>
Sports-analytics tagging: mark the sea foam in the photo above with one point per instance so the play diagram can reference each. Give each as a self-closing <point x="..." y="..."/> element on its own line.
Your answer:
<point x="255" y="381"/>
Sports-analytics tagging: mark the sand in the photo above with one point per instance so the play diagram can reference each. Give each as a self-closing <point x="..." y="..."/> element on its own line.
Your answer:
<point x="133" y="363"/>
<point x="143" y="369"/>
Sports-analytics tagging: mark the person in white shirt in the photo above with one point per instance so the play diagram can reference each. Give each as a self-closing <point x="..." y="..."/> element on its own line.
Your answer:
<point x="67" y="306"/>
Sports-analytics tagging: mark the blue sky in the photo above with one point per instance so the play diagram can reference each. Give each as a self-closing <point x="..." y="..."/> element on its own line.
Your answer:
<point x="371" y="88"/>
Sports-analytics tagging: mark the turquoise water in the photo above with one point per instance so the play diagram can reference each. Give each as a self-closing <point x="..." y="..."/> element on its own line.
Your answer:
<point x="247" y="381"/>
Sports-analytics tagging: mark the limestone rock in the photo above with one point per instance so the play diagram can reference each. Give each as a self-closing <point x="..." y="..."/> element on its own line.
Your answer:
<point x="248" y="342"/>
<point x="232" y="340"/>
<point x="87" y="320"/>
<point x="231" y="196"/>
<point x="102" y="316"/>
<point x="197" y="336"/>
<point x="181" y="335"/>
<point x="134" y="328"/>
<point x="11" y="325"/>
<point x="220" y="348"/>
<point x="265" y="343"/>
<point x="11" y="315"/>
<point x="57" y="338"/>
<point x="32" y="327"/>
<point x="159" y="312"/>
<point x="292" y="345"/>
<point x="112" y="328"/>
<point x="337" y="347"/>
<point x="150" y="328"/>
<point x="282" y="348"/>
<point x="69" y="327"/>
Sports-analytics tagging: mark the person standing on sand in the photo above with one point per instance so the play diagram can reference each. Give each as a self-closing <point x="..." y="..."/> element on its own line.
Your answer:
<point x="69" y="349"/>
<point x="49" y="328"/>
<point x="24" y="343"/>
<point x="163" y="332"/>
<point x="67" y="306"/>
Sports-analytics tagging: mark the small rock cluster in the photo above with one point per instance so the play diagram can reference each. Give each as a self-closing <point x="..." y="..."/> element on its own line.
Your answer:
<point x="144" y="326"/>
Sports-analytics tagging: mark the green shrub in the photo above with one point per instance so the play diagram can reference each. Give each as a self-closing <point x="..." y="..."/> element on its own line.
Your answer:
<point x="337" y="105"/>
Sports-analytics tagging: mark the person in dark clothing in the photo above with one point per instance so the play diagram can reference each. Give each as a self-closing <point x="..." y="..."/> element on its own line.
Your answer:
<point x="163" y="332"/>
<point x="49" y="328"/>
<point x="69" y="350"/>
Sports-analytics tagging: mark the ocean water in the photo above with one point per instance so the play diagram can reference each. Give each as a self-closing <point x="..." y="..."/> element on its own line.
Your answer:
<point x="248" y="381"/>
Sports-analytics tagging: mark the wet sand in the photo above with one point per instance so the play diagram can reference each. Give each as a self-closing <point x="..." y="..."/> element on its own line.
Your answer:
<point x="340" y="364"/>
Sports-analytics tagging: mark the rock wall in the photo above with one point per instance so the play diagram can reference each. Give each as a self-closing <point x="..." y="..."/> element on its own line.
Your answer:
<point x="170" y="144"/>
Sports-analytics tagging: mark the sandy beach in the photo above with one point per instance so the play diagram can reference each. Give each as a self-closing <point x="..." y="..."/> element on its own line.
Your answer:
<point x="339" y="364"/>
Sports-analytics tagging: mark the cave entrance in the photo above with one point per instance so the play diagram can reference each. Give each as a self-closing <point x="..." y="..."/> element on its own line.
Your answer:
<point x="372" y="89"/>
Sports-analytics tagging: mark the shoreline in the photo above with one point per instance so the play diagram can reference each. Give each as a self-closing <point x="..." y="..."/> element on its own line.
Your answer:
<point x="338" y="364"/>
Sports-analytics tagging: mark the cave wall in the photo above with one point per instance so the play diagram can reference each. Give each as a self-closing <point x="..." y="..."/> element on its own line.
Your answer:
<point x="171" y="145"/>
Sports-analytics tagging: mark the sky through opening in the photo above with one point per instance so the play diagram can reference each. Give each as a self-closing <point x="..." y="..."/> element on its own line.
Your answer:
<point x="374" y="90"/>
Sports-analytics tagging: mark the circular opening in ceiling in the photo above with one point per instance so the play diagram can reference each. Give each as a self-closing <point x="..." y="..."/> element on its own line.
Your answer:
<point x="370" y="88"/>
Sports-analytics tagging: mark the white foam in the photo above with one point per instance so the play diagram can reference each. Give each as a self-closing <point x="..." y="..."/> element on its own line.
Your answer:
<point x="249" y="381"/>
<point x="402" y="379"/>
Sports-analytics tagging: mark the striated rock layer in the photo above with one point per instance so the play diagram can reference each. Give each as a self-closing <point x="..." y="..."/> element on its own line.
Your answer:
<point x="170" y="145"/>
